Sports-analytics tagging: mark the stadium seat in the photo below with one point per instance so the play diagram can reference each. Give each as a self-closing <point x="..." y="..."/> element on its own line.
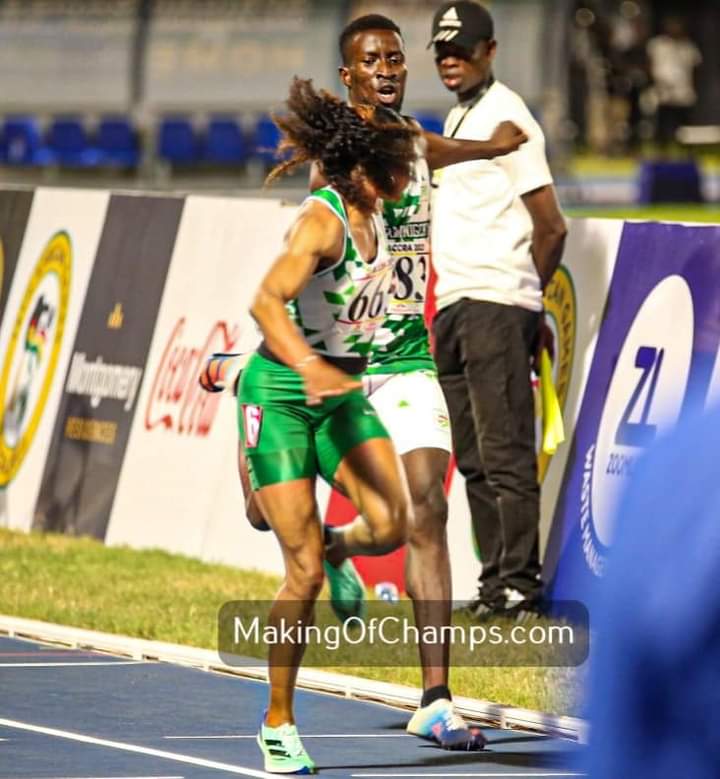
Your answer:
<point x="69" y="143"/>
<point x="676" y="181"/>
<point x="177" y="142"/>
<point x="430" y="122"/>
<point x="23" y="142"/>
<point x="267" y="138"/>
<point x="224" y="142"/>
<point x="117" y="142"/>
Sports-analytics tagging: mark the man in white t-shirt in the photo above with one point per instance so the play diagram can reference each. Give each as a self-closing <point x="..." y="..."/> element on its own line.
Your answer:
<point x="497" y="238"/>
<point x="673" y="60"/>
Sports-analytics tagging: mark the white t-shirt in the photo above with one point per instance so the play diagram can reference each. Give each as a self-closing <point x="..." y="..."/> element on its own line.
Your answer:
<point x="481" y="230"/>
<point x="672" y="63"/>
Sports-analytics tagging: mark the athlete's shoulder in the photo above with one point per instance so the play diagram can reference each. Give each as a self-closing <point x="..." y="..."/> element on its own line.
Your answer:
<point x="325" y="200"/>
<point x="318" y="223"/>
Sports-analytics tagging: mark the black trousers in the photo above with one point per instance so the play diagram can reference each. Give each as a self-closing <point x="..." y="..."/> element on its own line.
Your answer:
<point x="482" y="351"/>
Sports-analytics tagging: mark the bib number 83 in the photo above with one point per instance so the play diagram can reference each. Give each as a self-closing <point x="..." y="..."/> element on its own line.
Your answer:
<point x="405" y="273"/>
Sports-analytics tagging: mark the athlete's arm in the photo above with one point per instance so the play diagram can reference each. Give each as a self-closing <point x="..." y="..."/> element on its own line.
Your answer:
<point x="316" y="234"/>
<point x="442" y="151"/>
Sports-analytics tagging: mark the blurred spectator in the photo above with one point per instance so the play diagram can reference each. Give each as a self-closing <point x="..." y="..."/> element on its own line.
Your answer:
<point x="673" y="59"/>
<point x="629" y="72"/>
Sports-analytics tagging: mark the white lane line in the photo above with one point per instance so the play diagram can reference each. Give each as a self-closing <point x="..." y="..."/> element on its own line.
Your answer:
<point x="75" y="665"/>
<point x="101" y="742"/>
<point x="304" y="735"/>
<point x="503" y="774"/>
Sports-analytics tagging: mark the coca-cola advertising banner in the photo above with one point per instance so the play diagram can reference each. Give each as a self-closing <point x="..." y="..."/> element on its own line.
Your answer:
<point x="103" y="379"/>
<point x="179" y="487"/>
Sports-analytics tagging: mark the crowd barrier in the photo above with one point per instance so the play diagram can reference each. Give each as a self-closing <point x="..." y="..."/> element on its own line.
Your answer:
<point x="110" y="303"/>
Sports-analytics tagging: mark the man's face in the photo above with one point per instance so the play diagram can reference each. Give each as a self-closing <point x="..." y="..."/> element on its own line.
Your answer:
<point x="375" y="72"/>
<point x="461" y="70"/>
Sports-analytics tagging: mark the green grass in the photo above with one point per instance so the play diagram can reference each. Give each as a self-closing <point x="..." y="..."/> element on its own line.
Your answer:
<point x="660" y="213"/>
<point x="156" y="595"/>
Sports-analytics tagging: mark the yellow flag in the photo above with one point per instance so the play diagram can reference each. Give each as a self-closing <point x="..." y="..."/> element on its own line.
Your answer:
<point x="553" y="429"/>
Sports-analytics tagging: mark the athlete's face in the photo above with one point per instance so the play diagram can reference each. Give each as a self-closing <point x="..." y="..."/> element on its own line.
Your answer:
<point x="375" y="71"/>
<point x="462" y="71"/>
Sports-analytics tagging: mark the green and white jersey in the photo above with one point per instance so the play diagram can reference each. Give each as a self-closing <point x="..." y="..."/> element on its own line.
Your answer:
<point x="342" y="306"/>
<point x="401" y="343"/>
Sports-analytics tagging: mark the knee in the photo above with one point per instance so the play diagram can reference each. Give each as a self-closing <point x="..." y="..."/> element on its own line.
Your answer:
<point x="429" y="516"/>
<point x="305" y="576"/>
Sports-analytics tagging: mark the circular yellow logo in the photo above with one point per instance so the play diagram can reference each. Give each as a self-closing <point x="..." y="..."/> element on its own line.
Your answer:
<point x="560" y="312"/>
<point x="33" y="353"/>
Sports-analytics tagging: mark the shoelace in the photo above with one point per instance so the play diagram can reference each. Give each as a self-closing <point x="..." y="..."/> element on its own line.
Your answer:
<point x="291" y="740"/>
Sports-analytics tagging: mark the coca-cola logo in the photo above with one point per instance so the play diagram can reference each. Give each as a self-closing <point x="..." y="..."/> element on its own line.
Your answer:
<point x="176" y="401"/>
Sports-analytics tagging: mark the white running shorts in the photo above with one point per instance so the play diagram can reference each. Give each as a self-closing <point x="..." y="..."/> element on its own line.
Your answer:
<point x="412" y="407"/>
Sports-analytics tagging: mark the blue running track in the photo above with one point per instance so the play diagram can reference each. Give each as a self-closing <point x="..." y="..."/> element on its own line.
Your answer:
<point x="67" y="714"/>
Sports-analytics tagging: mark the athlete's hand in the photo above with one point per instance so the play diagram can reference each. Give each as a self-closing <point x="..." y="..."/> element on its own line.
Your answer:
<point x="507" y="137"/>
<point x="323" y="380"/>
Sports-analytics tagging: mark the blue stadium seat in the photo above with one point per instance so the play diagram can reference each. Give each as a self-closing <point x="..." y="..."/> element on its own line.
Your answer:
<point x="267" y="138"/>
<point x="69" y="143"/>
<point x="23" y="142"/>
<point x="117" y="142"/>
<point x="670" y="181"/>
<point x="431" y="122"/>
<point x="177" y="142"/>
<point x="225" y="142"/>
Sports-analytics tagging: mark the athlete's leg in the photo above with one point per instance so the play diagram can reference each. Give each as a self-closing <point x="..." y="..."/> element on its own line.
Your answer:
<point x="299" y="534"/>
<point x="252" y="509"/>
<point x="412" y="407"/>
<point x="427" y="560"/>
<point x="428" y="583"/>
<point x="372" y="476"/>
<point x="276" y="429"/>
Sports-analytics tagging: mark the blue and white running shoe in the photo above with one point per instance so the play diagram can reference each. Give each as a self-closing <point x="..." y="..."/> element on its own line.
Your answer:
<point x="440" y="722"/>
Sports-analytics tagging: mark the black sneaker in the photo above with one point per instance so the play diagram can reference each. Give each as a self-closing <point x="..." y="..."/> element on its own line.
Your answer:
<point x="483" y="609"/>
<point x="526" y="610"/>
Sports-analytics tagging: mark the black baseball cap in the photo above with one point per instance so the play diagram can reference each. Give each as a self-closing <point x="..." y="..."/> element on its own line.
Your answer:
<point x="463" y="23"/>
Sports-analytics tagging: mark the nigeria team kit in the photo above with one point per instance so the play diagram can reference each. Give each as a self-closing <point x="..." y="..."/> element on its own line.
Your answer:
<point x="367" y="318"/>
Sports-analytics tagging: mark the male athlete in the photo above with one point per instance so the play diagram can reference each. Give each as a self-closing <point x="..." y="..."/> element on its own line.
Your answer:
<point x="401" y="380"/>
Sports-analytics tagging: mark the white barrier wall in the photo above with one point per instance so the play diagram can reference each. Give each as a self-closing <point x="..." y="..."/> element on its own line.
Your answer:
<point x="175" y="462"/>
<point x="178" y="487"/>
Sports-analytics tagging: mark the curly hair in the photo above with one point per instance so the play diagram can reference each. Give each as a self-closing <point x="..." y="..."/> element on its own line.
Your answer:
<point x="342" y="138"/>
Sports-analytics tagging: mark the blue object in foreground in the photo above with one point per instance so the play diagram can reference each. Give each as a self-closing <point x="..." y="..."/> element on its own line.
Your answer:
<point x="656" y="681"/>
